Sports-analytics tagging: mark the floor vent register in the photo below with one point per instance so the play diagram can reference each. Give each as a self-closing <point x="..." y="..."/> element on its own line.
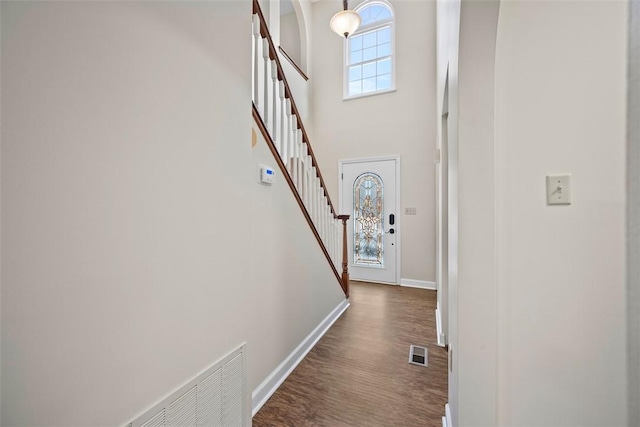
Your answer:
<point x="418" y="355"/>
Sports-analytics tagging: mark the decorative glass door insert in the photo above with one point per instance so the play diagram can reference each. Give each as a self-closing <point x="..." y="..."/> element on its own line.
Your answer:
<point x="368" y="214"/>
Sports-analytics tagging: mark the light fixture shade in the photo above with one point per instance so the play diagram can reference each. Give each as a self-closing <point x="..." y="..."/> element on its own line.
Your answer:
<point x="345" y="22"/>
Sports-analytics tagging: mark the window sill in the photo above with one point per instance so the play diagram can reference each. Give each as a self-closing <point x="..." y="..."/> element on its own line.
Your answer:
<point x="366" y="95"/>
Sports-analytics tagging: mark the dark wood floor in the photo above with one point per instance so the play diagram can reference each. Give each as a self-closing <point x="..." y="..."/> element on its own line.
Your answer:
<point x="358" y="374"/>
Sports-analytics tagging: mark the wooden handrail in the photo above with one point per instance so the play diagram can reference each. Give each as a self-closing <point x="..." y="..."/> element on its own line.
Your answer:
<point x="293" y="63"/>
<point x="264" y="32"/>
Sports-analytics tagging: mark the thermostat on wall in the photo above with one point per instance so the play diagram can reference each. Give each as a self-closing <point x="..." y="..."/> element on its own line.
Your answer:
<point x="267" y="175"/>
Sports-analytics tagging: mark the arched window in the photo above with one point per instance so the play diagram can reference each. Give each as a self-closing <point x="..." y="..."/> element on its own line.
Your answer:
<point x="370" y="52"/>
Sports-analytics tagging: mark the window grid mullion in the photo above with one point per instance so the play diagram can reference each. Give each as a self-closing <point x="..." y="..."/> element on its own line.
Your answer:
<point x="372" y="27"/>
<point x="380" y="58"/>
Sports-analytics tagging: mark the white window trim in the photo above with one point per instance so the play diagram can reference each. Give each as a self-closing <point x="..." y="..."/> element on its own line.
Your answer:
<point x="364" y="29"/>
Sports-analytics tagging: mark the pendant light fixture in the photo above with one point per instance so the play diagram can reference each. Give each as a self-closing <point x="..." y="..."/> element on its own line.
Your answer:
<point x="345" y="22"/>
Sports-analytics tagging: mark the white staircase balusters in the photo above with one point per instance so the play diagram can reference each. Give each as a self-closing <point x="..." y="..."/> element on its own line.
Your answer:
<point x="274" y="112"/>
<point x="338" y="244"/>
<point x="313" y="192"/>
<point x="294" y="171"/>
<point x="333" y="240"/>
<point x="283" y="115"/>
<point x="325" y="208"/>
<point x="267" y="69"/>
<point x="286" y="153"/>
<point x="307" y="177"/>
<point x="257" y="40"/>
<point x="292" y="135"/>
<point x="320" y="213"/>
<point x="299" y="161"/>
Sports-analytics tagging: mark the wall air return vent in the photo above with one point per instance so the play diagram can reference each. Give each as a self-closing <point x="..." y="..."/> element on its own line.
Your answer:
<point x="216" y="397"/>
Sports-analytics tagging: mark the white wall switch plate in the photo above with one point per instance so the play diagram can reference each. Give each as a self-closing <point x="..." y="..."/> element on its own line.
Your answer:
<point x="559" y="189"/>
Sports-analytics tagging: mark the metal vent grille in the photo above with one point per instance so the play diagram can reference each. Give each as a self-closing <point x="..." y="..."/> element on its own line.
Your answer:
<point x="418" y="355"/>
<point x="232" y="373"/>
<point x="157" y="421"/>
<point x="209" y="397"/>
<point x="183" y="412"/>
<point x="216" y="397"/>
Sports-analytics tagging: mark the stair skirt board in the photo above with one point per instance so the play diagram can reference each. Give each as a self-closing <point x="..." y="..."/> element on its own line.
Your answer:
<point x="422" y="284"/>
<point x="217" y="396"/>
<point x="263" y="392"/>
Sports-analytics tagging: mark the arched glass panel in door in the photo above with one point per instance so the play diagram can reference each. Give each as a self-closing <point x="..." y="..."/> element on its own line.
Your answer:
<point x="368" y="212"/>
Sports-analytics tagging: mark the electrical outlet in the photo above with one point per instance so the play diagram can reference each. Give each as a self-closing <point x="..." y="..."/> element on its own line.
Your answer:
<point x="409" y="211"/>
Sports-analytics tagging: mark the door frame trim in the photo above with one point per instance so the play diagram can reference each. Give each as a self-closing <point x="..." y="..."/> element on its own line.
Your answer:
<point x="395" y="158"/>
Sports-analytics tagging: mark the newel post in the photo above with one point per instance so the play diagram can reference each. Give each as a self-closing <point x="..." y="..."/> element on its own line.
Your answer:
<point x="345" y="255"/>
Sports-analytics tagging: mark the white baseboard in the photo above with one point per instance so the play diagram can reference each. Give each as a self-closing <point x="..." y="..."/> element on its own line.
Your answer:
<point x="422" y="284"/>
<point x="446" y="420"/>
<point x="263" y="392"/>
<point x="439" y="334"/>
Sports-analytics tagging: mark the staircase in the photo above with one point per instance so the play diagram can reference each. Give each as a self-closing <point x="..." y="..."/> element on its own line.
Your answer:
<point x="278" y="118"/>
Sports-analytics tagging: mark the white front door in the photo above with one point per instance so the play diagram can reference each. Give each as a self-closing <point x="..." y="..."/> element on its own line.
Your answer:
<point x="369" y="193"/>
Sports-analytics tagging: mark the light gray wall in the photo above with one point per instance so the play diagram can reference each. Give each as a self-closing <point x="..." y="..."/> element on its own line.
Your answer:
<point x="0" y="221"/>
<point x="466" y="53"/>
<point x="553" y="281"/>
<point x="135" y="247"/>
<point x="295" y="288"/>
<point x="560" y="108"/>
<point x="633" y="213"/>
<point x="448" y="38"/>
<point x="290" y="37"/>
<point x="476" y="356"/>
<point x="401" y="122"/>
